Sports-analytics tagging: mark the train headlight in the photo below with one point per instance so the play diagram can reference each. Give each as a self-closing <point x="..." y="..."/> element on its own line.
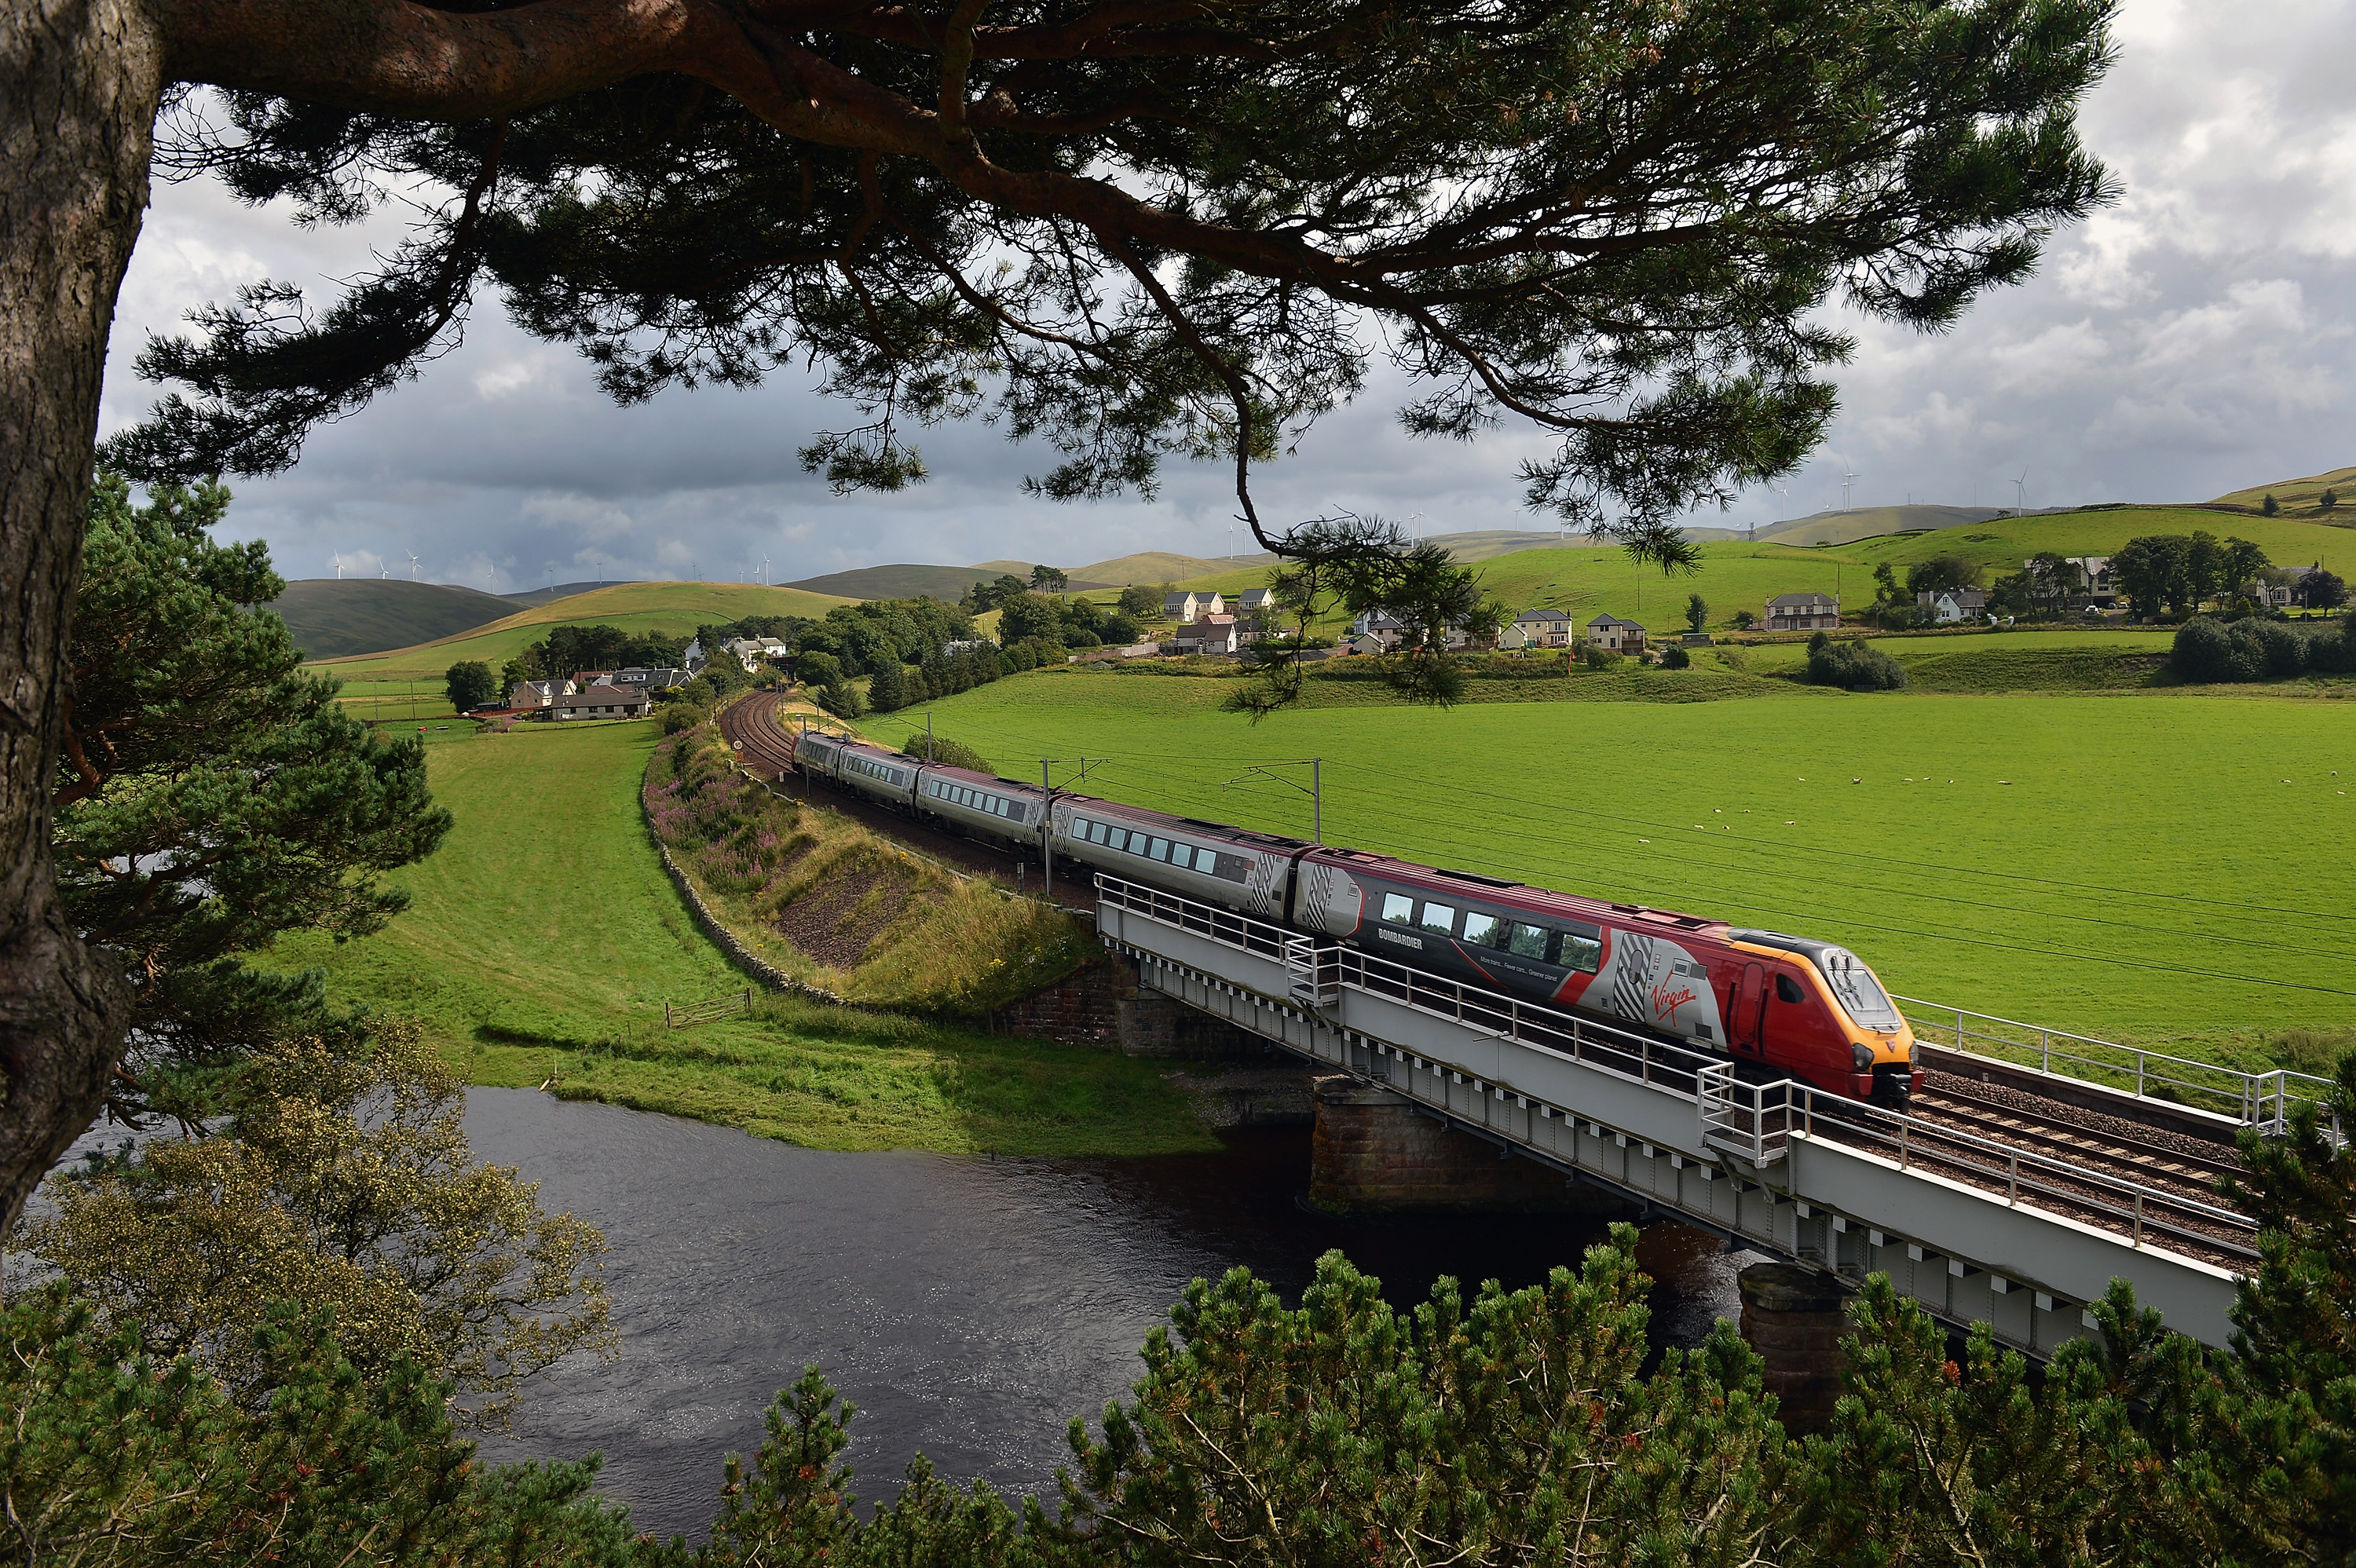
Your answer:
<point x="1861" y="1058"/>
<point x="1913" y="1053"/>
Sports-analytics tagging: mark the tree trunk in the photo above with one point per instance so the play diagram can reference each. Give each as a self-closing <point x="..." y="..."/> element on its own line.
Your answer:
<point x="79" y="82"/>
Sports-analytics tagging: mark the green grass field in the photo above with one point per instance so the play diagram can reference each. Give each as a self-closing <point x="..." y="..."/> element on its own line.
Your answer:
<point x="2166" y="867"/>
<point x="1736" y="575"/>
<point x="545" y="936"/>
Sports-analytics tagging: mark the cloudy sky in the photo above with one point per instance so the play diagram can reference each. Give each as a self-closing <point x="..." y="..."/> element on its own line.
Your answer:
<point x="2193" y="339"/>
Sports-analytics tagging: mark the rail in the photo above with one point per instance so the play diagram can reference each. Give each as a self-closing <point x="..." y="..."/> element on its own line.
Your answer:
<point x="2261" y="1100"/>
<point x="1755" y="1121"/>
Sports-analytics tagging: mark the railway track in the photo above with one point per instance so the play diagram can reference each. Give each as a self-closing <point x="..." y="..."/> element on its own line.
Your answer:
<point x="753" y="727"/>
<point x="2065" y="1132"/>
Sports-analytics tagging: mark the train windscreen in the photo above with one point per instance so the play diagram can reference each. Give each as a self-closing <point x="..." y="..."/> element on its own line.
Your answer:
<point x="1859" y="991"/>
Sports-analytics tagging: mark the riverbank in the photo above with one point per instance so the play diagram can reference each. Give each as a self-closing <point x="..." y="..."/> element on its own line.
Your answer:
<point x="544" y="940"/>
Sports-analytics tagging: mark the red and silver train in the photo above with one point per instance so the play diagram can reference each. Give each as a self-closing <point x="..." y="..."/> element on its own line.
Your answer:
<point x="1790" y="1004"/>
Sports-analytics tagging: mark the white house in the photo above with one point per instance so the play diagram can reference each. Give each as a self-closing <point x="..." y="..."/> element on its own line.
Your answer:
<point x="603" y="702"/>
<point x="1257" y="600"/>
<point x="538" y="693"/>
<point x="693" y="657"/>
<point x="1542" y="629"/>
<point x="1803" y="613"/>
<point x="1949" y="605"/>
<point x="1184" y="608"/>
<point x="1615" y="634"/>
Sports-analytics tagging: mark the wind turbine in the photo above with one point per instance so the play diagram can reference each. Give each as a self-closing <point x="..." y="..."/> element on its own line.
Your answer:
<point x="412" y="566"/>
<point x="1848" y="478"/>
<point x="2020" y="495"/>
<point x="340" y="566"/>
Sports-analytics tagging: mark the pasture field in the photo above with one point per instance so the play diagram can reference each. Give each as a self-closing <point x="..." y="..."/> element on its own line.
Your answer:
<point x="2164" y="868"/>
<point x="544" y="936"/>
<point x="1737" y="575"/>
<point x="676" y="608"/>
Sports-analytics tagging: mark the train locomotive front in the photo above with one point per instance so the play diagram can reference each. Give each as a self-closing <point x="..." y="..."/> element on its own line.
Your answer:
<point x="1776" y="1006"/>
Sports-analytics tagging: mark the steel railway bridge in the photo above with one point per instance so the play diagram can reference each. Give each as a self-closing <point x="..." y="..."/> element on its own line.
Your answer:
<point x="2010" y="1194"/>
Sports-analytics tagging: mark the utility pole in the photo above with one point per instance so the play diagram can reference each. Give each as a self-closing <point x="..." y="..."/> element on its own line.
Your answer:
<point x="1047" y="827"/>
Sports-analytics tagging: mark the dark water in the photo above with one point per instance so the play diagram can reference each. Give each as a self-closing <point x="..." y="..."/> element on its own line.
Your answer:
<point x="969" y="1308"/>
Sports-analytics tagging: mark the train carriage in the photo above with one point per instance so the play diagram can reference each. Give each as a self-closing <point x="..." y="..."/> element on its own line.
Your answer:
<point x="860" y="768"/>
<point x="982" y="804"/>
<point x="1232" y="866"/>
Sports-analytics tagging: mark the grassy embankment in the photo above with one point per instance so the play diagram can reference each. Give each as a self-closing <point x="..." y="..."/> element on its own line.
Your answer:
<point x="1735" y="575"/>
<point x="867" y="920"/>
<point x="405" y="684"/>
<point x="2140" y="867"/>
<point x="544" y="933"/>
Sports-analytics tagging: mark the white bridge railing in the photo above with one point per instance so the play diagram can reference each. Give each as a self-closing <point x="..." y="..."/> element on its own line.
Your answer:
<point x="2260" y="1100"/>
<point x="1753" y="1121"/>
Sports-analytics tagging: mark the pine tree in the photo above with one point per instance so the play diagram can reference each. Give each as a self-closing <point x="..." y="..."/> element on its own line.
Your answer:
<point x="887" y="689"/>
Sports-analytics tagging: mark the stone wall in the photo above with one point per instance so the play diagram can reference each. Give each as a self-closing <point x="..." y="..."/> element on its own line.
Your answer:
<point x="759" y="968"/>
<point x="1373" y="1152"/>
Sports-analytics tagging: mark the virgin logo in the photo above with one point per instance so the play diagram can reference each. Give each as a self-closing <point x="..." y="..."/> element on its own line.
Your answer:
<point x="1666" y="1002"/>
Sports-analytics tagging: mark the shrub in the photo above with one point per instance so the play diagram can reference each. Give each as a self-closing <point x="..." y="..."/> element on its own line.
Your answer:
<point x="2270" y="507"/>
<point x="1744" y="620"/>
<point x="941" y="749"/>
<point x="1675" y="658"/>
<point x="1142" y="602"/>
<point x="1854" y="667"/>
<point x="2203" y="651"/>
<point x="1594" y="657"/>
<point x="817" y="667"/>
<point x="678" y="716"/>
<point x="2285" y="649"/>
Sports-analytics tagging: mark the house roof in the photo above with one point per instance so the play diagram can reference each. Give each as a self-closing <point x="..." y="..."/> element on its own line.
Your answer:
<point x="1616" y="621"/>
<point x="1800" y="601"/>
<point x="1531" y="616"/>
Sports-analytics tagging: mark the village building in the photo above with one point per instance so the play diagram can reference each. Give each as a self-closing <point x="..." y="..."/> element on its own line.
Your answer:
<point x="1616" y="634"/>
<point x="1803" y="613"/>
<point x="602" y="702"/>
<point x="1949" y="605"/>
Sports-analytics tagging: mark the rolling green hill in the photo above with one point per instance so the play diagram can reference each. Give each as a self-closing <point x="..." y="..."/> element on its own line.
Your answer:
<point x="2300" y="497"/>
<point x="560" y="591"/>
<point x="332" y="618"/>
<point x="1866" y="522"/>
<point x="900" y="581"/>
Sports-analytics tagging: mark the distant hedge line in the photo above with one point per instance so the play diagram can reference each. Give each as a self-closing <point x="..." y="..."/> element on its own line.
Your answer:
<point x="2208" y="650"/>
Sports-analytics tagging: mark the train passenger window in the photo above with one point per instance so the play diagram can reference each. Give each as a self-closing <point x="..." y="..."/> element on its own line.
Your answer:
<point x="1788" y="989"/>
<point x="1182" y="855"/>
<point x="1527" y="941"/>
<point x="1399" y="909"/>
<point x="1484" y="929"/>
<point x="1580" y="952"/>
<point x="1115" y="838"/>
<point x="1440" y="918"/>
<point x="1096" y="832"/>
<point x="1160" y="850"/>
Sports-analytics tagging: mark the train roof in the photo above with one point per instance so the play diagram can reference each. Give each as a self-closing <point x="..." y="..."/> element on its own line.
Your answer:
<point x="979" y="780"/>
<point x="1500" y="890"/>
<point x="1275" y="843"/>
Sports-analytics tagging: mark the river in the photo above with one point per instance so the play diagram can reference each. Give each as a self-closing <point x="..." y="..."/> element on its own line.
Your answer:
<point x="969" y="1308"/>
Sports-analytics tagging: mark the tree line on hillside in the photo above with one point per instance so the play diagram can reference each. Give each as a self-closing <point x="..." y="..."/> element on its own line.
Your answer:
<point x="2210" y="650"/>
<point x="2159" y="575"/>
